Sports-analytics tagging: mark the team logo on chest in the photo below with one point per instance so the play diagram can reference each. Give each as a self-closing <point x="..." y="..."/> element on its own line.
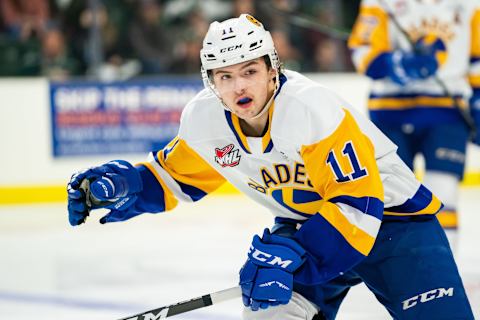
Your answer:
<point x="227" y="156"/>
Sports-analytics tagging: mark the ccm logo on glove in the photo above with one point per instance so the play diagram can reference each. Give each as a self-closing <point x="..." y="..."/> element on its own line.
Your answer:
<point x="268" y="258"/>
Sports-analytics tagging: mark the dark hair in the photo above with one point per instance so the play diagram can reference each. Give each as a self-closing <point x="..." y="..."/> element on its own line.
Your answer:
<point x="267" y="61"/>
<point x="266" y="58"/>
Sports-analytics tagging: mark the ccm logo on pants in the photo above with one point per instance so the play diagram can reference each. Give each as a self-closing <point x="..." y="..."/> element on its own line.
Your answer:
<point x="427" y="296"/>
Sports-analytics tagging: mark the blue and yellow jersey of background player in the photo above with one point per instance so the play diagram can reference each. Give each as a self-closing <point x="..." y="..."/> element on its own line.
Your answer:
<point x="319" y="162"/>
<point x="450" y="28"/>
<point x="410" y="106"/>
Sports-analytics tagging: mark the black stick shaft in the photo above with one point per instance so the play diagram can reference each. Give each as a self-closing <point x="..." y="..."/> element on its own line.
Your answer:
<point x="306" y="22"/>
<point x="188" y="305"/>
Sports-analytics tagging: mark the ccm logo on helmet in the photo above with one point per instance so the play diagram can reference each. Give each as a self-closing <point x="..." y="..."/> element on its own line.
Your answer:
<point x="427" y="296"/>
<point x="238" y="46"/>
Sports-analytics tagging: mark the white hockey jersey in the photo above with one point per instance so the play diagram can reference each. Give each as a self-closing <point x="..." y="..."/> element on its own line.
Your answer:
<point x="456" y="24"/>
<point x="320" y="161"/>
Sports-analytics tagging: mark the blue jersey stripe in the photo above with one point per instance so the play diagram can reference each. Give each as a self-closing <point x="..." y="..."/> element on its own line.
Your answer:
<point x="420" y="116"/>
<point x="408" y="96"/>
<point x="422" y="198"/>
<point x="474" y="59"/>
<point x="155" y="156"/>
<point x="166" y="151"/>
<point x="368" y="205"/>
<point x="269" y="147"/>
<point x="228" y="115"/>
<point x="193" y="192"/>
<point x="283" y="78"/>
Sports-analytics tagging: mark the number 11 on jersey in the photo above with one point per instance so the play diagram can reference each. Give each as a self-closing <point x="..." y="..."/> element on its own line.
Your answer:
<point x="348" y="151"/>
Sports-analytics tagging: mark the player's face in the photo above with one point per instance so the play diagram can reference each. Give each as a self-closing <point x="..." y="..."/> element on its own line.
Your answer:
<point x="246" y="87"/>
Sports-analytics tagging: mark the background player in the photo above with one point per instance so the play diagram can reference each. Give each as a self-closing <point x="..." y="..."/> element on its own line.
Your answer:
<point x="406" y="102"/>
<point x="346" y="208"/>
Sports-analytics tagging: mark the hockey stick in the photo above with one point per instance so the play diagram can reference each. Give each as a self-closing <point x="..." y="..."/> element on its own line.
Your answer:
<point x="467" y="118"/>
<point x="176" y="308"/>
<point x="188" y="305"/>
<point x="303" y="21"/>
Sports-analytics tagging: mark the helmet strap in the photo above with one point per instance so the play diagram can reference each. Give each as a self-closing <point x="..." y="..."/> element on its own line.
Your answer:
<point x="269" y="102"/>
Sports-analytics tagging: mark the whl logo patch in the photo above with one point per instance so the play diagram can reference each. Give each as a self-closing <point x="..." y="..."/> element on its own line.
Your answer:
<point x="227" y="156"/>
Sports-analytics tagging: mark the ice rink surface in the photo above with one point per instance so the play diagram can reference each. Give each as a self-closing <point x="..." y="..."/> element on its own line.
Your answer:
<point x="51" y="271"/>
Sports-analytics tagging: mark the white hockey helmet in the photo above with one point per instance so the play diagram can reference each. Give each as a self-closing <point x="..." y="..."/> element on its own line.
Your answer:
<point x="234" y="41"/>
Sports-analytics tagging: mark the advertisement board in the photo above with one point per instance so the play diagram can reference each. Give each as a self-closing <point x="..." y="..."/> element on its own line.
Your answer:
<point x="91" y="118"/>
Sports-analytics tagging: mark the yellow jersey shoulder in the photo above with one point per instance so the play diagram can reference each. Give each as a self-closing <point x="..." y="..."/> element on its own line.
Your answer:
<point x="305" y="111"/>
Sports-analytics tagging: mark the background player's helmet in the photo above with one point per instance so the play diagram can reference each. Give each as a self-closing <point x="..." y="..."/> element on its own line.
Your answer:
<point x="234" y="41"/>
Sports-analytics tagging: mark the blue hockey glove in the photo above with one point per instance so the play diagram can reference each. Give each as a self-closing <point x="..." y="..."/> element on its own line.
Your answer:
<point x="433" y="46"/>
<point x="113" y="186"/>
<point x="266" y="278"/>
<point x="475" y="112"/>
<point x="404" y="67"/>
<point x="428" y="52"/>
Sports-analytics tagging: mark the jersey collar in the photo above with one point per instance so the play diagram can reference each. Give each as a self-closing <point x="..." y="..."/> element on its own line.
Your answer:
<point x="234" y="124"/>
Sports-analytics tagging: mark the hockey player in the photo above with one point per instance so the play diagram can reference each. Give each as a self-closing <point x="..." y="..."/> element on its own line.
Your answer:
<point x="402" y="46"/>
<point x="347" y="209"/>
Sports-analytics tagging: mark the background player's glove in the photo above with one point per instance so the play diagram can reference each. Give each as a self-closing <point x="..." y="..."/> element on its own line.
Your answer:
<point x="267" y="276"/>
<point x="113" y="186"/>
<point x="475" y="112"/>
<point x="403" y="67"/>
<point x="429" y="52"/>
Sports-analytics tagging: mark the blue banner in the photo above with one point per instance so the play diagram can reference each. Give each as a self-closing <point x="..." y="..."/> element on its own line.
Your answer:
<point x="91" y="118"/>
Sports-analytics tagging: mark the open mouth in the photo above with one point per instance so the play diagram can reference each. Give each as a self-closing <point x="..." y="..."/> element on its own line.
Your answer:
<point x="244" y="102"/>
